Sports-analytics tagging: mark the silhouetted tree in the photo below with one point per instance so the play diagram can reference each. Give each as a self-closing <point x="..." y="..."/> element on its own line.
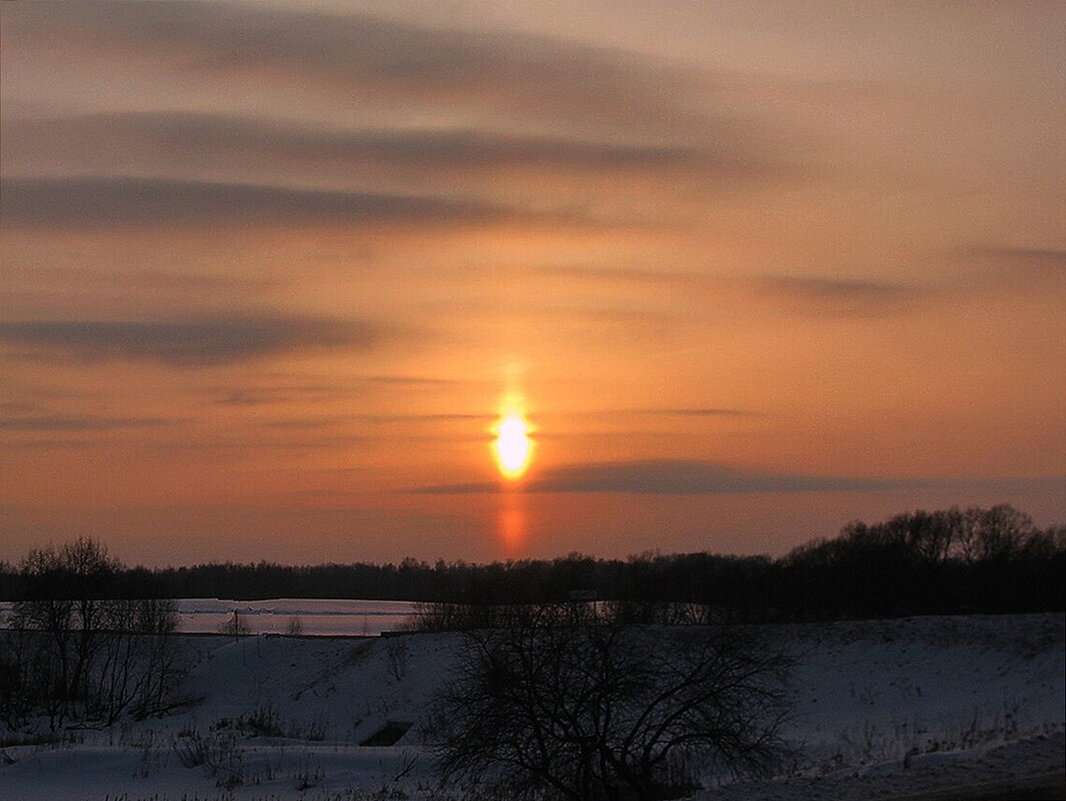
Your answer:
<point x="597" y="711"/>
<point x="74" y="651"/>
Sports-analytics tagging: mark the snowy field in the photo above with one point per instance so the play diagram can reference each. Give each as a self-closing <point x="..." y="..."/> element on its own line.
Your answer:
<point x="885" y="709"/>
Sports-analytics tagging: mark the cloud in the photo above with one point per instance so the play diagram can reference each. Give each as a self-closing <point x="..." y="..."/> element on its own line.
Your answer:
<point x="422" y="382"/>
<point x="110" y="279"/>
<point x="327" y="389"/>
<point x="80" y="202"/>
<point x="261" y="396"/>
<point x="674" y="477"/>
<point x="19" y="407"/>
<point x="376" y="419"/>
<point x="679" y="477"/>
<point x="359" y="59"/>
<point x="837" y="297"/>
<point x="200" y="342"/>
<point x="1001" y="267"/>
<point x="801" y="295"/>
<point x="37" y="444"/>
<point x="1046" y="258"/>
<point x="693" y="412"/>
<point x="156" y="138"/>
<point x="54" y="422"/>
<point x="991" y="271"/>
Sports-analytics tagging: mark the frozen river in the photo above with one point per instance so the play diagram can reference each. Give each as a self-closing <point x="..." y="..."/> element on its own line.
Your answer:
<point x="315" y="616"/>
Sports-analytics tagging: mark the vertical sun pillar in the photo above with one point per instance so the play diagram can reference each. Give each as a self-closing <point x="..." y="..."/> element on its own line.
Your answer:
<point x="513" y="451"/>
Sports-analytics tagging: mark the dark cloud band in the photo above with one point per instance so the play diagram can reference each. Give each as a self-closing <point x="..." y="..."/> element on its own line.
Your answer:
<point x="675" y="477"/>
<point x="120" y="201"/>
<point x="196" y="139"/>
<point x="356" y="57"/>
<point x="187" y="343"/>
<point x="837" y="297"/>
<point x="81" y="422"/>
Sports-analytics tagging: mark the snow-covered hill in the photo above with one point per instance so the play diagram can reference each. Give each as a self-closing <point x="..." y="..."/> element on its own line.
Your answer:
<point x="881" y="709"/>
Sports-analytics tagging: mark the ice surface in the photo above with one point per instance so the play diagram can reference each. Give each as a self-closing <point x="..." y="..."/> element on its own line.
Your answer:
<point x="317" y="616"/>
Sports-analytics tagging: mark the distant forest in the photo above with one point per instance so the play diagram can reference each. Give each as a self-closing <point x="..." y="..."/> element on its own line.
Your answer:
<point x="944" y="562"/>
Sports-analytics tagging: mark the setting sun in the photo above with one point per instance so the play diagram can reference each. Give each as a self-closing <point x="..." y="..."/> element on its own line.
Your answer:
<point x="262" y="321"/>
<point x="513" y="446"/>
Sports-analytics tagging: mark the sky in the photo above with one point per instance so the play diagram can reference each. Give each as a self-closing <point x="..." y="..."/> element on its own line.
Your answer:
<point x="272" y="272"/>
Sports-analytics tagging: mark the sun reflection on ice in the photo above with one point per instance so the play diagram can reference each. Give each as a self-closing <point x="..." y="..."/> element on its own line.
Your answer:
<point x="511" y="522"/>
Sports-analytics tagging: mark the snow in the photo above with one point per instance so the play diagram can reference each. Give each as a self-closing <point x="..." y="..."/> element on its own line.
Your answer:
<point x="883" y="709"/>
<point x="877" y="690"/>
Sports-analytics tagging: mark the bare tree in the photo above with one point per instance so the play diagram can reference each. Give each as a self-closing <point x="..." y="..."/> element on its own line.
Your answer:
<point x="605" y="712"/>
<point x="63" y="588"/>
<point x="78" y="652"/>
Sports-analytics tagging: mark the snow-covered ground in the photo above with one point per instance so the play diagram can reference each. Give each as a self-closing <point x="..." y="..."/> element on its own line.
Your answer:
<point x="884" y="709"/>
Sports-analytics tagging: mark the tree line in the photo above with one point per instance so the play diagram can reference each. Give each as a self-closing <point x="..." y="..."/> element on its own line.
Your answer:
<point x="953" y="561"/>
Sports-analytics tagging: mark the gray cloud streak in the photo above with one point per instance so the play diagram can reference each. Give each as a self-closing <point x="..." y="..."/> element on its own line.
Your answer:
<point x="838" y="297"/>
<point x="147" y="280"/>
<point x="693" y="412"/>
<point x="214" y="140"/>
<point x="269" y="394"/>
<point x="200" y="342"/>
<point x="376" y="419"/>
<point x="675" y="477"/>
<point x="1001" y="267"/>
<point x="361" y="58"/>
<point x="92" y="202"/>
<point x="54" y="422"/>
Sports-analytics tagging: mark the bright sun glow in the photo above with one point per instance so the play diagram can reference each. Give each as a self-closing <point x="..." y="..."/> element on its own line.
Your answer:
<point x="513" y="446"/>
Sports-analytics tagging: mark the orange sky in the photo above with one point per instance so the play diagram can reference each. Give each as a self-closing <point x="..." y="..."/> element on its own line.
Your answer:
<point x="270" y="272"/>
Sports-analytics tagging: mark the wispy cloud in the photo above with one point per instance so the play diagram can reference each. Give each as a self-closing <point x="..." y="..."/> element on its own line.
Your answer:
<point x="1000" y="266"/>
<point x="83" y="422"/>
<point x="93" y="202"/>
<point x="196" y="342"/>
<point x="376" y="419"/>
<point x="269" y="395"/>
<point x="837" y="297"/>
<point x="807" y="295"/>
<point x="141" y="279"/>
<point x="1051" y="258"/>
<point x="272" y="392"/>
<point x="362" y="58"/>
<point x="186" y="140"/>
<point x="423" y="382"/>
<point x="681" y="477"/>
<point x="691" y="412"/>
